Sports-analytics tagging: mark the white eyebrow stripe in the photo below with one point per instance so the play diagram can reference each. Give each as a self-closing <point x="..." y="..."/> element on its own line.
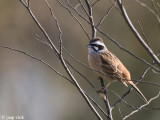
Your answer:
<point x="96" y="49"/>
<point x="99" y="43"/>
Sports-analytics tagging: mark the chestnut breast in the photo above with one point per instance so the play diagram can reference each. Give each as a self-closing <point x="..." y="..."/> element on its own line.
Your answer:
<point x="95" y="63"/>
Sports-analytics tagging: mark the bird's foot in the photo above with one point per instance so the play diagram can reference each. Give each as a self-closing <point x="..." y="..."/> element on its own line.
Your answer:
<point x="101" y="93"/>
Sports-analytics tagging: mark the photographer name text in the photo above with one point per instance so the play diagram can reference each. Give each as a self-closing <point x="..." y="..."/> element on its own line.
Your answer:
<point x="12" y="117"/>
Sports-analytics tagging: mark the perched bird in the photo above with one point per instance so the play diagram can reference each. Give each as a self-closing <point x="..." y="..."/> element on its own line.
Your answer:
<point x="107" y="66"/>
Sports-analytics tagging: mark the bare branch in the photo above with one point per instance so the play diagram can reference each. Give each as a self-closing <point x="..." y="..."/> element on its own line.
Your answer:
<point x="43" y="62"/>
<point x="115" y="4"/>
<point x="140" y="39"/>
<point x="58" y="26"/>
<point x="91" y="19"/>
<point x="130" y="106"/>
<point x="95" y="3"/>
<point x="149" y="9"/>
<point x="97" y="105"/>
<point x="141" y="107"/>
<point x="83" y="7"/>
<point x="106" y="100"/>
<point x="74" y="17"/>
<point x="119" y="109"/>
<point x="25" y="4"/>
<point x="144" y="34"/>
<point x="28" y="3"/>
<point x="144" y="61"/>
<point x="38" y="38"/>
<point x="77" y="6"/>
<point x="150" y="109"/>
<point x="41" y="28"/>
<point x="141" y="77"/>
<point x="151" y="83"/>
<point x="82" y="76"/>
<point x="108" y="11"/>
<point x="27" y="54"/>
<point x="59" y="55"/>
<point x="79" y="88"/>
<point x="139" y="81"/>
<point x="69" y="68"/>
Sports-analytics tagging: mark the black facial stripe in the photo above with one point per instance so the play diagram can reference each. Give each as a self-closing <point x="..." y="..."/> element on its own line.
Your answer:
<point x="94" y="45"/>
<point x="100" y="47"/>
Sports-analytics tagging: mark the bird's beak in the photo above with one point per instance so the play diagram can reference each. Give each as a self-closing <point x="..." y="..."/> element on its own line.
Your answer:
<point x="89" y="45"/>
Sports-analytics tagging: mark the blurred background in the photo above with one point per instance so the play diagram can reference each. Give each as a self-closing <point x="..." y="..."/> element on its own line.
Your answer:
<point x="29" y="88"/>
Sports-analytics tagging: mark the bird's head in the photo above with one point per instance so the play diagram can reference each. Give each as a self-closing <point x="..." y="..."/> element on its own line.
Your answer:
<point x="96" y="45"/>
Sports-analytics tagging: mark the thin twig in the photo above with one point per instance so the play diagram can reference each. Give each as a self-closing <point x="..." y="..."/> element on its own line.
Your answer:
<point x="126" y="93"/>
<point x="57" y="24"/>
<point x="77" y="6"/>
<point x="43" y="62"/>
<point x="38" y="59"/>
<point x="144" y="61"/>
<point x="104" y="17"/>
<point x="79" y="88"/>
<point x="95" y="3"/>
<point x="141" y="107"/>
<point x="130" y="106"/>
<point x="144" y="34"/>
<point x="146" y="82"/>
<point x="82" y="76"/>
<point x="38" y="38"/>
<point x="74" y="18"/>
<point x="139" y="38"/>
<point x="139" y="80"/>
<point x="106" y="100"/>
<point x="156" y="11"/>
<point x="83" y="7"/>
<point x="149" y="9"/>
<point x="40" y="27"/>
<point x="115" y="4"/>
<point x="63" y="62"/>
<point x="119" y="109"/>
<point x="141" y="77"/>
<point x="97" y="105"/>
<point x="91" y="19"/>
<point x="150" y="109"/>
<point x="33" y="57"/>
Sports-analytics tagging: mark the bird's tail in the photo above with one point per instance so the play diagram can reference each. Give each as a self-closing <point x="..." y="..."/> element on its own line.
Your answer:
<point x="137" y="89"/>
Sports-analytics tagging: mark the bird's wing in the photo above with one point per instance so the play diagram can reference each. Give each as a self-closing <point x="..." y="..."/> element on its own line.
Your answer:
<point x="109" y="65"/>
<point x="112" y="65"/>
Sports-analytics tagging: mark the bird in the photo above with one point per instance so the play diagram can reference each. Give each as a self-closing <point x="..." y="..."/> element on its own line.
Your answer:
<point x="107" y="66"/>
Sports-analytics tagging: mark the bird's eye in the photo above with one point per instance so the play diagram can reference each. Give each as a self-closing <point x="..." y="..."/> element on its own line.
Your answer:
<point x="100" y="47"/>
<point x="97" y="47"/>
